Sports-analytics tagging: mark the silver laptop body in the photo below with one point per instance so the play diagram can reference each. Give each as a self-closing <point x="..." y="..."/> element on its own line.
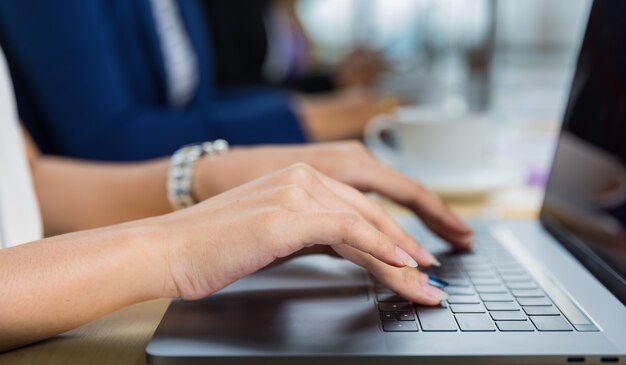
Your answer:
<point x="550" y="291"/>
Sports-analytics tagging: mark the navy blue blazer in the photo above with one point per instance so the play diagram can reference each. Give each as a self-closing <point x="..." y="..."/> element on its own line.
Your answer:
<point x="90" y="82"/>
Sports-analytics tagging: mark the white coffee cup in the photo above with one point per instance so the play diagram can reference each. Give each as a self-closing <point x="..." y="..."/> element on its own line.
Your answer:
<point x="431" y="143"/>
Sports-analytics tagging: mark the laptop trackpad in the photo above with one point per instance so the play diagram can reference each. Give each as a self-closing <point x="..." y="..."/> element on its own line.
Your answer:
<point x="314" y="303"/>
<point x="315" y="276"/>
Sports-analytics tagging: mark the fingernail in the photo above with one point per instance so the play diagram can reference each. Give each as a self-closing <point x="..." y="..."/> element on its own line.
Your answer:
<point x="435" y="293"/>
<point x="405" y="258"/>
<point x="443" y="295"/>
<point x="431" y="258"/>
<point x="437" y="282"/>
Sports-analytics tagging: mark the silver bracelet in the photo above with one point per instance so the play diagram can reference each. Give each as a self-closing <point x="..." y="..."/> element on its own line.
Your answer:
<point x="182" y="167"/>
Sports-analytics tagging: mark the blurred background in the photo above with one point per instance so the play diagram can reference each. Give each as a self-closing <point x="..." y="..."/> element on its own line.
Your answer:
<point x="471" y="48"/>
<point x="512" y="59"/>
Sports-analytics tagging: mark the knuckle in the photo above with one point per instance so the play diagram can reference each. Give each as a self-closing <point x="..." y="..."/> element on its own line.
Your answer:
<point x="353" y="151"/>
<point x="380" y="217"/>
<point x="407" y="278"/>
<point x="301" y="173"/>
<point x="378" y="210"/>
<point x="294" y="193"/>
<point x="348" y="222"/>
<point x="355" y="146"/>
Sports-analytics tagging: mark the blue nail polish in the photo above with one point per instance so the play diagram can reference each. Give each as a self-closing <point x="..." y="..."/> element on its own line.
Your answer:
<point x="437" y="282"/>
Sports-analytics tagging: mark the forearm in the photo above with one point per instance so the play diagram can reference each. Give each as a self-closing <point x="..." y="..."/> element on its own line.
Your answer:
<point x="76" y="195"/>
<point x="50" y="286"/>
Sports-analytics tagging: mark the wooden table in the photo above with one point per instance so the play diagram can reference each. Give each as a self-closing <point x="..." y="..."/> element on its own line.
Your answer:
<point x="121" y="337"/>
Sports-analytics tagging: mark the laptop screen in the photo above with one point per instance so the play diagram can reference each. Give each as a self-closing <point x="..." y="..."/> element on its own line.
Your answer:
<point x="585" y="203"/>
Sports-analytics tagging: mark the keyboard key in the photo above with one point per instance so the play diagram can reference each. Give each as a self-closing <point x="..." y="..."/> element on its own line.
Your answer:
<point x="491" y="289"/>
<point x="502" y="306"/>
<point x="399" y="326"/>
<point x="394" y="307"/>
<point x="476" y="262"/>
<point x="457" y="281"/>
<point x="388" y="316"/>
<point x="383" y="290"/>
<point x="488" y="242"/>
<point x="386" y="297"/>
<point x="515" y="277"/>
<point x="495" y="248"/>
<point x="543" y="310"/>
<point x="437" y="282"/>
<point x="480" y="270"/>
<point x="511" y="271"/>
<point x="436" y="319"/>
<point x="515" y="326"/>
<point x="527" y="293"/>
<point x="507" y="267"/>
<point x="534" y="301"/>
<point x="449" y="273"/>
<point x="406" y="316"/>
<point x="483" y="269"/>
<point x="586" y="328"/>
<point x="551" y="323"/>
<point x="481" y="275"/>
<point x="467" y="308"/>
<point x="522" y="285"/>
<point x="458" y="290"/>
<point x="463" y="299"/>
<point x="496" y="297"/>
<point x="475" y="323"/>
<point x="487" y="281"/>
<point x="447" y="258"/>
<point x="472" y="258"/>
<point x="429" y="271"/>
<point x="502" y="259"/>
<point x="507" y="316"/>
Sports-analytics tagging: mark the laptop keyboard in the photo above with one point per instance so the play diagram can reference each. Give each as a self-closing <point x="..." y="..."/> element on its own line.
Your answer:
<point x="489" y="292"/>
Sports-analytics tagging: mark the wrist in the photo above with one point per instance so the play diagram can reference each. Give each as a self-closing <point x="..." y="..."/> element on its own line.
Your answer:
<point x="205" y="182"/>
<point x="128" y="262"/>
<point x="314" y="117"/>
<point x="216" y="174"/>
<point x="154" y="250"/>
<point x="182" y="171"/>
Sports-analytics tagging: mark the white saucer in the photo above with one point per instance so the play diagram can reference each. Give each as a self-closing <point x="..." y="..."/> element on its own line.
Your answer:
<point x="475" y="184"/>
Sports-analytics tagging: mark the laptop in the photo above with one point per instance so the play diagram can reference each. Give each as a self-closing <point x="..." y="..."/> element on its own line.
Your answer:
<point x="550" y="291"/>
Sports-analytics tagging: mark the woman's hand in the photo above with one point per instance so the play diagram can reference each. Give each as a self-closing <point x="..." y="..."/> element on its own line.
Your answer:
<point x="339" y="115"/>
<point x="59" y="283"/>
<point x="234" y="234"/>
<point x="361" y="67"/>
<point x="346" y="162"/>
